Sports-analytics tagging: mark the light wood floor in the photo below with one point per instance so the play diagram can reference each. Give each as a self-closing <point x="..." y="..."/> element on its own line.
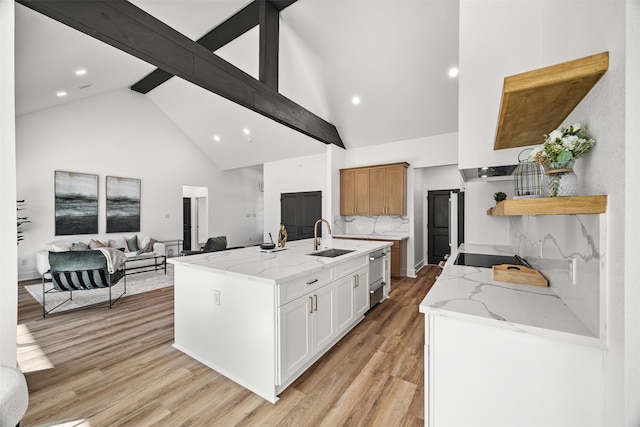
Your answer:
<point x="99" y="367"/>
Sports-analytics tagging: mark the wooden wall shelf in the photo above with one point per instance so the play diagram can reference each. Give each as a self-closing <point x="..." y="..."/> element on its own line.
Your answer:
<point x="551" y="206"/>
<point x="537" y="102"/>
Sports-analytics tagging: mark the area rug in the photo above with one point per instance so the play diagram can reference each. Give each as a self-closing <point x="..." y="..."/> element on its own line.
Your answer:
<point x="136" y="284"/>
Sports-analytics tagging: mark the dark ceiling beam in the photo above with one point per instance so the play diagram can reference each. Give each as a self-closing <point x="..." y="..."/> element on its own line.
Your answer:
<point x="269" y="18"/>
<point x="238" y="24"/>
<point x="132" y="30"/>
<point x="227" y="31"/>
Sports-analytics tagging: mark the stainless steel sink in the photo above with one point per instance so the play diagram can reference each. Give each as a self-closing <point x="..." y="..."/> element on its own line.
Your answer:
<point x="331" y="253"/>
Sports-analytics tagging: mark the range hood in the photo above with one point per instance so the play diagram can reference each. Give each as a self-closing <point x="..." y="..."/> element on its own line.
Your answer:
<point x="490" y="173"/>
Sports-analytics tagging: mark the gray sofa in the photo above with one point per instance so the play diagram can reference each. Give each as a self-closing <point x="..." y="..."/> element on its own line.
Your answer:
<point x="141" y="242"/>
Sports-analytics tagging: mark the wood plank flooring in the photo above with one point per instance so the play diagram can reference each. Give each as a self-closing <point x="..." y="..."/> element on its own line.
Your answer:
<point x="99" y="367"/>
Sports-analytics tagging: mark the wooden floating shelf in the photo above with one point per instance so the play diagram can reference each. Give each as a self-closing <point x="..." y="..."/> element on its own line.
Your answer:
<point x="551" y="206"/>
<point x="537" y="102"/>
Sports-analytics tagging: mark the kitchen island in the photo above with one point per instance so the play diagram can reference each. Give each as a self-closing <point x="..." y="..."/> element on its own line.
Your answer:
<point x="262" y="318"/>
<point x="509" y="354"/>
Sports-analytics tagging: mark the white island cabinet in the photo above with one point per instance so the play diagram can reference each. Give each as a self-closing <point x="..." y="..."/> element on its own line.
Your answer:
<point x="501" y="354"/>
<point x="262" y="319"/>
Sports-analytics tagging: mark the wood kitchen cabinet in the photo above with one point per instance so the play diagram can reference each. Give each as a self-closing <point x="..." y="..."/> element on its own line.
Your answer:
<point x="354" y="192"/>
<point x="388" y="190"/>
<point x="374" y="190"/>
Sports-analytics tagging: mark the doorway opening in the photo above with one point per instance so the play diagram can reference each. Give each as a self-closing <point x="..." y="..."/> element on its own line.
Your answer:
<point x="195" y="216"/>
<point x="186" y="223"/>
<point x="445" y="223"/>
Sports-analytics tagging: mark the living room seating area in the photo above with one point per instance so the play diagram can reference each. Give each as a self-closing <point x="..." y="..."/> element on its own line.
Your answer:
<point x="131" y="247"/>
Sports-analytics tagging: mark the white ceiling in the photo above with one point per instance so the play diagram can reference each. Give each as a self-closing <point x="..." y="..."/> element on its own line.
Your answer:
<point x="393" y="54"/>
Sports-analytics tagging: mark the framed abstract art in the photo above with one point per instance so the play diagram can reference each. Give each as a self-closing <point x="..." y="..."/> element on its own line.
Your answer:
<point x="76" y="203"/>
<point x="123" y="204"/>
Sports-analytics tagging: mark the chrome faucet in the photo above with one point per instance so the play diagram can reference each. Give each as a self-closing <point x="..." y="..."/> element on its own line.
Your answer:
<point x="316" y="239"/>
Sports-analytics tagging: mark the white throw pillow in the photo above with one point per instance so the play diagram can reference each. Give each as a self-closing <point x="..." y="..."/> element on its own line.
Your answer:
<point x="121" y="244"/>
<point x="59" y="246"/>
<point x="143" y="241"/>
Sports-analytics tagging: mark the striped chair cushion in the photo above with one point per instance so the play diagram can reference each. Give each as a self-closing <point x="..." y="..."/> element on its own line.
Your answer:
<point x="76" y="270"/>
<point x="77" y="280"/>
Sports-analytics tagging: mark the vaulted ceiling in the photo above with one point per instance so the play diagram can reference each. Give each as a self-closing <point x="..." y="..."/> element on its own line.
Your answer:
<point x="393" y="54"/>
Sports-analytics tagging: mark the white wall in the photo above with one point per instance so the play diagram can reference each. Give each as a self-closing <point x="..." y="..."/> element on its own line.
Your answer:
<point x="420" y="152"/>
<point x="291" y="176"/>
<point x="121" y="133"/>
<point x="493" y="45"/>
<point x="236" y="208"/>
<point x="419" y="237"/>
<point x="8" y="252"/>
<point x="631" y="225"/>
<point x="478" y="226"/>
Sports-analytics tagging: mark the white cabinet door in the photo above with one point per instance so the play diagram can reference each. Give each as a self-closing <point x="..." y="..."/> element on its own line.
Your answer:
<point x="323" y="319"/>
<point x="361" y="292"/>
<point x="295" y="336"/>
<point x="353" y="298"/>
<point x="345" y="305"/>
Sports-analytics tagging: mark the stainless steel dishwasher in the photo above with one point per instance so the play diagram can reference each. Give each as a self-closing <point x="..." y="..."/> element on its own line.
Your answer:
<point x="376" y="277"/>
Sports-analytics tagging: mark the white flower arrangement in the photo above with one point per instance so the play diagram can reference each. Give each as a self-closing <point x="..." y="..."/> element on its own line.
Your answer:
<point x="562" y="146"/>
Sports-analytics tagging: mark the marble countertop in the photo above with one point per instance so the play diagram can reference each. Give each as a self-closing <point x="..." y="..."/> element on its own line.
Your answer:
<point x="389" y="236"/>
<point x="280" y="265"/>
<point x="471" y="294"/>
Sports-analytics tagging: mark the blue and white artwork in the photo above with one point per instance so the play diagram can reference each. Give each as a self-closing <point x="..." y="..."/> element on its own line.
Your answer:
<point x="76" y="203"/>
<point x="123" y="204"/>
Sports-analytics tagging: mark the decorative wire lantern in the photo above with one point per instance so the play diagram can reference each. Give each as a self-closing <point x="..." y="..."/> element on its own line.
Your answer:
<point x="527" y="178"/>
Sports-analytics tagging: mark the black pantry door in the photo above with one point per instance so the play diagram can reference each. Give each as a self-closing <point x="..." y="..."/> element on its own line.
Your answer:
<point x="299" y="212"/>
<point x="186" y="223"/>
<point x="439" y="223"/>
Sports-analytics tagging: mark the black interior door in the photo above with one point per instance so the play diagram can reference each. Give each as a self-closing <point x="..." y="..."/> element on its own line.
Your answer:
<point x="186" y="223"/>
<point x="299" y="212"/>
<point x="438" y="220"/>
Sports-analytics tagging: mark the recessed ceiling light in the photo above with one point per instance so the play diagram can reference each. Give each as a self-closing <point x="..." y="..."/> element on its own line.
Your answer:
<point x="246" y="131"/>
<point x="81" y="72"/>
<point x="483" y="176"/>
<point x="216" y="138"/>
<point x="61" y="94"/>
<point x="355" y="100"/>
<point x="453" y="72"/>
<point x="485" y="168"/>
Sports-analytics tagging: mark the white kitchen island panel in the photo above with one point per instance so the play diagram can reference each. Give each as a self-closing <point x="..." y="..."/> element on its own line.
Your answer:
<point x="493" y="377"/>
<point x="227" y="323"/>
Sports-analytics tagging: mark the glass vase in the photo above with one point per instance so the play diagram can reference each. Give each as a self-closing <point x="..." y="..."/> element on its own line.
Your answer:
<point x="559" y="181"/>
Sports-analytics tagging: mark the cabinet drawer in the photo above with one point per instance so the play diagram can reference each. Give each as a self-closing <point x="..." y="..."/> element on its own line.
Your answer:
<point x="351" y="265"/>
<point x="295" y="288"/>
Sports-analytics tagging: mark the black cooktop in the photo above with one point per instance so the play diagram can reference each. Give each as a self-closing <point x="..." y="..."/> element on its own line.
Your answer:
<point x="484" y="260"/>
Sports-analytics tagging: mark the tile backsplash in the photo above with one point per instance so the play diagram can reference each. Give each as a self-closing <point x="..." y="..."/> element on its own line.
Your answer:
<point x="371" y="225"/>
<point x="551" y="242"/>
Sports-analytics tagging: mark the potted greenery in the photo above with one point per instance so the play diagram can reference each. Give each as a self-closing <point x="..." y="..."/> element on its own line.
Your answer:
<point x="499" y="196"/>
